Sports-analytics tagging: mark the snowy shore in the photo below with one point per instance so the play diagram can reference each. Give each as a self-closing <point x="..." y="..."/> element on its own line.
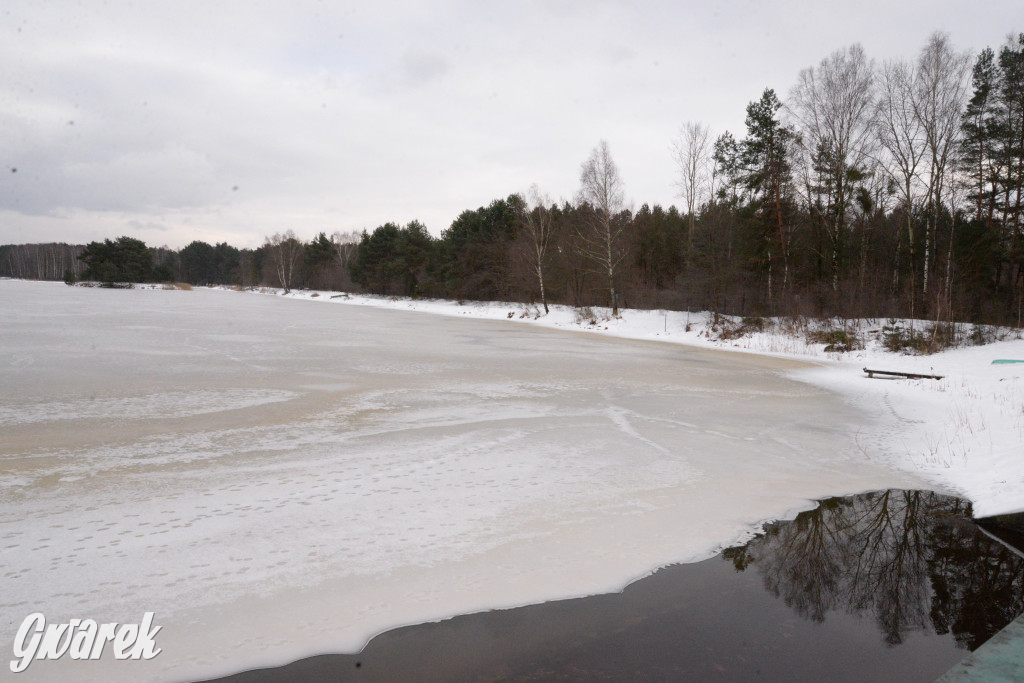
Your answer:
<point x="964" y="433"/>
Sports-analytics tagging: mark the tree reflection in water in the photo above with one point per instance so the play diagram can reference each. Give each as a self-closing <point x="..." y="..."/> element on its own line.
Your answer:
<point x="911" y="560"/>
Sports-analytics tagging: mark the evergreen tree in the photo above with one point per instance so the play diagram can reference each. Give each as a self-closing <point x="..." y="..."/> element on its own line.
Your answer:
<point x="979" y="127"/>
<point x="476" y="250"/>
<point x="319" y="252"/>
<point x="415" y="249"/>
<point x="659" y="239"/>
<point x="374" y="263"/>
<point x="394" y="260"/>
<point x="201" y="263"/>
<point x="727" y="173"/>
<point x="768" y="174"/>
<point x="226" y="262"/>
<point x="123" y="260"/>
<point x="319" y="256"/>
<point x="196" y="263"/>
<point x="1010" y="145"/>
<point x="163" y="273"/>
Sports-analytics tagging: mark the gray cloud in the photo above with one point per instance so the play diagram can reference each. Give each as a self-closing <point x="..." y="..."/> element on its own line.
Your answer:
<point x="423" y="67"/>
<point x="327" y="116"/>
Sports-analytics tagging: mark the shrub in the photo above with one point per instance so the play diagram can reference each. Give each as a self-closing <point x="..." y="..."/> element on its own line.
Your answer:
<point x="899" y="339"/>
<point x="981" y="335"/>
<point x="586" y="315"/>
<point x="835" y="341"/>
<point x="748" y="325"/>
<point x="752" y="324"/>
<point x="942" y="336"/>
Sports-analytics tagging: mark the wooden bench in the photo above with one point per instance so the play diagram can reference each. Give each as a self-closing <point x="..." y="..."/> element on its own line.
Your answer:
<point x="896" y="373"/>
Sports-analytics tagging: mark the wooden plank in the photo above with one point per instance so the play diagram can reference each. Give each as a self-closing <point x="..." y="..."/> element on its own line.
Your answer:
<point x="897" y="373"/>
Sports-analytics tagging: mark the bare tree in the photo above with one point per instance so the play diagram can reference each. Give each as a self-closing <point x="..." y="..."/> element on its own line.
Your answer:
<point x="834" y="106"/>
<point x="939" y="99"/>
<point x="602" y="188"/>
<point x="900" y="134"/>
<point x="539" y="224"/>
<point x="345" y="245"/>
<point x="284" y="252"/>
<point x="51" y="261"/>
<point x="691" y="150"/>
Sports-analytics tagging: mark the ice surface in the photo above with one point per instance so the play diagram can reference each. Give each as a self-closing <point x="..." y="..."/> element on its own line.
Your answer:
<point x="280" y="478"/>
<point x="963" y="433"/>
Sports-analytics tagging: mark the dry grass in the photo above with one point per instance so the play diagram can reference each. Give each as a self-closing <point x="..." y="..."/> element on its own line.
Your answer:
<point x="183" y="286"/>
<point x="585" y="316"/>
<point x="729" y="329"/>
<point x="835" y="341"/>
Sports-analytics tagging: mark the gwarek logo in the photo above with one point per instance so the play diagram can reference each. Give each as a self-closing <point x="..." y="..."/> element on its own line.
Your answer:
<point x="82" y="639"/>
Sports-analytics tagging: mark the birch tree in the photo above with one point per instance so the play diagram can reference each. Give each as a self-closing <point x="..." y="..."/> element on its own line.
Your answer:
<point x="538" y="224"/>
<point x="692" y="150"/>
<point x="900" y="134"/>
<point x="601" y="239"/>
<point x="939" y="98"/>
<point x="345" y="246"/>
<point x="284" y="252"/>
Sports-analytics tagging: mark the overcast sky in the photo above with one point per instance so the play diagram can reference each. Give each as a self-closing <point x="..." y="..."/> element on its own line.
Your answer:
<point x="229" y="121"/>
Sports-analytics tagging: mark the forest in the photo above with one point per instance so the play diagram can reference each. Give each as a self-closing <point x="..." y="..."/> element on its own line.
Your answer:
<point x="867" y="190"/>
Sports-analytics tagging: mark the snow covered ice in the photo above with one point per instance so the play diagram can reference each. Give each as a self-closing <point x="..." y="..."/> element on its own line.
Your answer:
<point x="278" y="478"/>
<point x="963" y="433"/>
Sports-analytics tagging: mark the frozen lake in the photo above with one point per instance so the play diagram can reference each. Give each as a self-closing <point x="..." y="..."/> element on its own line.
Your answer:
<point x="278" y="478"/>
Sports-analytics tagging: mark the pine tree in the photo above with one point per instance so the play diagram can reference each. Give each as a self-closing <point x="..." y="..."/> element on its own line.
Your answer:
<point x="727" y="171"/>
<point x="979" y="127"/>
<point x="1010" y="133"/>
<point x="124" y="260"/>
<point x="765" y="157"/>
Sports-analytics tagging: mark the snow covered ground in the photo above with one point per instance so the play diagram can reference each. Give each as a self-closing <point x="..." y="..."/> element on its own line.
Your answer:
<point x="279" y="478"/>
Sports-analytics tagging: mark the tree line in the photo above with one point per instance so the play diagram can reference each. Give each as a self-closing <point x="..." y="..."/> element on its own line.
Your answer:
<point x="890" y="190"/>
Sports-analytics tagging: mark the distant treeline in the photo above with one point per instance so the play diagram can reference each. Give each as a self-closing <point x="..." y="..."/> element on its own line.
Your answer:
<point x="41" y="261"/>
<point x="891" y="191"/>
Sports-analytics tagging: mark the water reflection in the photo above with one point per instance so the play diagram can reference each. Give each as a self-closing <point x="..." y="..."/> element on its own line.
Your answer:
<point x="909" y="560"/>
